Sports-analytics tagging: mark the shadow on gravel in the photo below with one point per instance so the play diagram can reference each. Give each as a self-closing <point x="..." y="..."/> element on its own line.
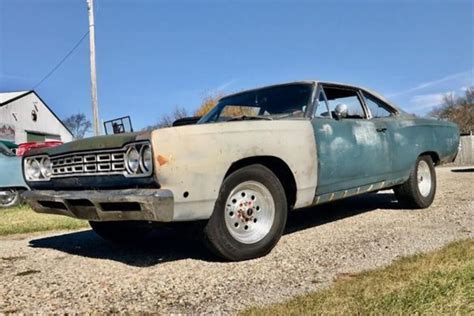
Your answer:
<point x="163" y="245"/>
<point x="463" y="170"/>
<point x="181" y="242"/>
<point x="330" y="212"/>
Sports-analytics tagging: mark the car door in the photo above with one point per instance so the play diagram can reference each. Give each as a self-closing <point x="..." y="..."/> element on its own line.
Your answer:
<point x="385" y="116"/>
<point x="353" y="150"/>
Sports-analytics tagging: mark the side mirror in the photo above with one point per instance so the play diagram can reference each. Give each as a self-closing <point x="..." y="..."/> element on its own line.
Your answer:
<point x="340" y="111"/>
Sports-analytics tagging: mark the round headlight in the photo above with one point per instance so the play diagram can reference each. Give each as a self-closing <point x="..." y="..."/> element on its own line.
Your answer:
<point x="46" y="167"/>
<point x="33" y="169"/>
<point x="147" y="159"/>
<point x="133" y="160"/>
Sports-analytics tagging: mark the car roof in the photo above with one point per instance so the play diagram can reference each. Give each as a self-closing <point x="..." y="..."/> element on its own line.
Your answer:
<point x="374" y="93"/>
<point x="269" y="86"/>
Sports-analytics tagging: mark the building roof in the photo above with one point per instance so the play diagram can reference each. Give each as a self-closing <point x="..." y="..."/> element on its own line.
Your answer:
<point x="8" y="97"/>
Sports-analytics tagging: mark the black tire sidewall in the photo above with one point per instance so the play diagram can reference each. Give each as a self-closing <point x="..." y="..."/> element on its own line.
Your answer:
<point x="216" y="231"/>
<point x="424" y="201"/>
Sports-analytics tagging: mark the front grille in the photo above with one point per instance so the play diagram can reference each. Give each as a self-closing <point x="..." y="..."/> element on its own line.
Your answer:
<point x="110" y="162"/>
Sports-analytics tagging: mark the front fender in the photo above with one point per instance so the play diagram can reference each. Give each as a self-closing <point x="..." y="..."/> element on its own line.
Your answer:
<point x="192" y="161"/>
<point x="11" y="173"/>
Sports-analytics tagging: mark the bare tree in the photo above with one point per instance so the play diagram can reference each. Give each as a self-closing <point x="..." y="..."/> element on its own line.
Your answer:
<point x="167" y="119"/>
<point x="208" y="102"/>
<point x="78" y="124"/>
<point x="459" y="110"/>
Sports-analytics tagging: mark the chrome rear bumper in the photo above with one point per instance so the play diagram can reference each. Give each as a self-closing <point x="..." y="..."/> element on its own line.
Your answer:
<point x="105" y="205"/>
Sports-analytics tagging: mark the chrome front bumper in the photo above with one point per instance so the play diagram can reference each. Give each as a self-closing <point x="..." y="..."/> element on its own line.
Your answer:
<point x="105" y="205"/>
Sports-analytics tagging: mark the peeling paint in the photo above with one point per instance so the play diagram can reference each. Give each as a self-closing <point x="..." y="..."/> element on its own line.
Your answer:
<point x="326" y="129"/>
<point x="340" y="145"/>
<point x="329" y="197"/>
<point x="365" y="134"/>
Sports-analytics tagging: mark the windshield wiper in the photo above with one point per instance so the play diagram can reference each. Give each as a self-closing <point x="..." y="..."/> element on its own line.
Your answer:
<point x="249" y="118"/>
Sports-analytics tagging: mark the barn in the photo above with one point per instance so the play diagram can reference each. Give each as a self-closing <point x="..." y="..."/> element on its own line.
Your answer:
<point x="25" y="117"/>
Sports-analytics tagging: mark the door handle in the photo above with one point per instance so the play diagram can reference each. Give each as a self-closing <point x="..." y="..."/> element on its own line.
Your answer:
<point x="381" y="129"/>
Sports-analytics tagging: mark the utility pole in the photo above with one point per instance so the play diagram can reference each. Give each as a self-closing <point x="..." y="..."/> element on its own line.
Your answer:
<point x="95" y="106"/>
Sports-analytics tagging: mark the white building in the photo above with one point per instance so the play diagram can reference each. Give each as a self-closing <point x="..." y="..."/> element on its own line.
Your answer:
<point x="25" y="117"/>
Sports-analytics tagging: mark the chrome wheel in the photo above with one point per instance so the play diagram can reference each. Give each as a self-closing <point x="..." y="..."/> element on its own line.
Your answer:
<point x="9" y="197"/>
<point x="250" y="212"/>
<point x="424" y="178"/>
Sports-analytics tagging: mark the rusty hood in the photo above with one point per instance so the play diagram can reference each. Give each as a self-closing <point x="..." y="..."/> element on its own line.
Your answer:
<point x="93" y="143"/>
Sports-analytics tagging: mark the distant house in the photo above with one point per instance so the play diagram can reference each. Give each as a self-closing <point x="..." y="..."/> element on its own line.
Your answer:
<point x="25" y="117"/>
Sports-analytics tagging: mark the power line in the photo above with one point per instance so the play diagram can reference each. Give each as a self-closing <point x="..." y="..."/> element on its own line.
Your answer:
<point x="61" y="61"/>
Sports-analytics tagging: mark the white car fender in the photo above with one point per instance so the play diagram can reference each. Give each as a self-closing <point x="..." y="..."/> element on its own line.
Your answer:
<point x="192" y="160"/>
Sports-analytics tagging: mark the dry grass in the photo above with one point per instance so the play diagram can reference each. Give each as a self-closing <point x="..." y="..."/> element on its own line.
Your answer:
<point x="23" y="220"/>
<point x="440" y="282"/>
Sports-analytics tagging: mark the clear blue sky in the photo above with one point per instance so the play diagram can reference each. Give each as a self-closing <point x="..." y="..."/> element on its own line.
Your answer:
<point x="154" y="55"/>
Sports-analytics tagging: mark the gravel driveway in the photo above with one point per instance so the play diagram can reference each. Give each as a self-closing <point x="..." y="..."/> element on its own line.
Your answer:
<point x="78" y="272"/>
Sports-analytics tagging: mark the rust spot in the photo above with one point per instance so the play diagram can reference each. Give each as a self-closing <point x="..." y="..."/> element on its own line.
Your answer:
<point x="161" y="160"/>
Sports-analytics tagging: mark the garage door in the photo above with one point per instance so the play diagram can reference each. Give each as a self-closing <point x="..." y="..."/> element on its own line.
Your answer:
<point x="40" y="137"/>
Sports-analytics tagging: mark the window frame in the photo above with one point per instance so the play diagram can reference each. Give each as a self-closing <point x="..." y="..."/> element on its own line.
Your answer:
<point x="360" y="96"/>
<point x="316" y="103"/>
<point x="384" y="105"/>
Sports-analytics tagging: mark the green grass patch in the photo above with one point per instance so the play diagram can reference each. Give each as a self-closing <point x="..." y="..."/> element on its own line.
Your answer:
<point x="23" y="220"/>
<point x="440" y="282"/>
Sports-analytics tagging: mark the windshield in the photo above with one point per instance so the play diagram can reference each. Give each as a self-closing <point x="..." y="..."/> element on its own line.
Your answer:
<point x="271" y="103"/>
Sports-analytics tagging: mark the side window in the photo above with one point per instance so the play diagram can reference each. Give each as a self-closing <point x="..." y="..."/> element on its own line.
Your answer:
<point x="376" y="106"/>
<point x="322" y="106"/>
<point x="348" y="97"/>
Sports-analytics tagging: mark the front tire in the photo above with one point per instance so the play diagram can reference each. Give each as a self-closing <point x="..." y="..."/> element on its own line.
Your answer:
<point x="419" y="190"/>
<point x="10" y="198"/>
<point x="121" y="231"/>
<point x="249" y="215"/>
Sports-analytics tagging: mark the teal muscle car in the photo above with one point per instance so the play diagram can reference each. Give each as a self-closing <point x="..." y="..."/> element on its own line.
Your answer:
<point x="11" y="176"/>
<point x="242" y="167"/>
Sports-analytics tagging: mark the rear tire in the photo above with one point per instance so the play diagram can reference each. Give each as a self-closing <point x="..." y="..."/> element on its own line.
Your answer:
<point x="121" y="231"/>
<point x="419" y="190"/>
<point x="249" y="215"/>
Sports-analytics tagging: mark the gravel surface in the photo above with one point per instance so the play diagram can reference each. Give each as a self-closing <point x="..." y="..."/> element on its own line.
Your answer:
<point x="173" y="272"/>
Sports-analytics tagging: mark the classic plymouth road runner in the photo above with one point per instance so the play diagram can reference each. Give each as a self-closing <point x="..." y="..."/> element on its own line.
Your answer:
<point x="256" y="156"/>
